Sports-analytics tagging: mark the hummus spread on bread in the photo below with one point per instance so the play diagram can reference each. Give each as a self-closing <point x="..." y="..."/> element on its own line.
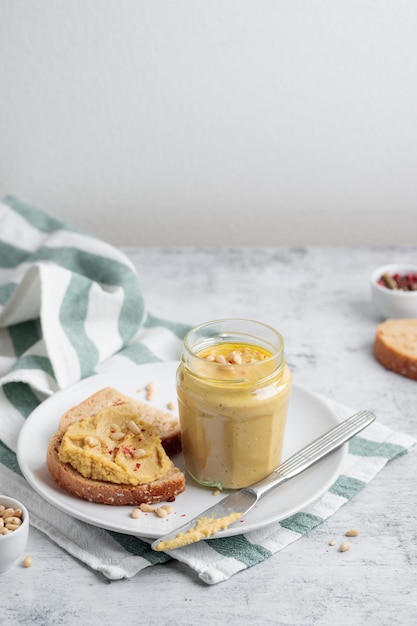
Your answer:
<point x="115" y="446"/>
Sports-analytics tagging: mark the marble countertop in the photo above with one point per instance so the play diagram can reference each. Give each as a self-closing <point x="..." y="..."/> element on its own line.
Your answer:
<point x="319" y="298"/>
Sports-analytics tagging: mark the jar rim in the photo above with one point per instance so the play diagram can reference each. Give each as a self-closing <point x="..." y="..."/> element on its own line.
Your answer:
<point x="235" y="328"/>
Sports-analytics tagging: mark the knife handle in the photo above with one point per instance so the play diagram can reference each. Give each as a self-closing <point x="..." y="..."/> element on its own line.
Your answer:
<point x="313" y="452"/>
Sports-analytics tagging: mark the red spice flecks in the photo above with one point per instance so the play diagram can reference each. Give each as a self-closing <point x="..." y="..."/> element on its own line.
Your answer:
<point x="110" y="451"/>
<point x="128" y="451"/>
<point x="137" y="465"/>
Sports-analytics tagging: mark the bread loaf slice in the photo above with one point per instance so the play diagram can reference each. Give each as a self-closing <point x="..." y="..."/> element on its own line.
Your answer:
<point x="395" y="346"/>
<point x="165" y="425"/>
<point x="163" y="489"/>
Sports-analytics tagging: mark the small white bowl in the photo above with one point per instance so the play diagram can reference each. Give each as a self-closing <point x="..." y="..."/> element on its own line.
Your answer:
<point x="12" y="546"/>
<point x="393" y="303"/>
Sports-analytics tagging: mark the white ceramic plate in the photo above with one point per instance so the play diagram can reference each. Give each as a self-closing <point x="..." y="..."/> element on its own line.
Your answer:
<point x="308" y="418"/>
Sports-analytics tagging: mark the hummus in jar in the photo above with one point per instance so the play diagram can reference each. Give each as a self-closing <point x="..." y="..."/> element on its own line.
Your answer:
<point x="115" y="446"/>
<point x="233" y="402"/>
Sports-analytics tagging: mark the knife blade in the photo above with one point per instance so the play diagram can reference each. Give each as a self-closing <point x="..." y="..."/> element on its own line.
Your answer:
<point x="235" y="506"/>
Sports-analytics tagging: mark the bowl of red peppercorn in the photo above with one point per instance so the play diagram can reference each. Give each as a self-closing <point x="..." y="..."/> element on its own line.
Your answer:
<point x="394" y="291"/>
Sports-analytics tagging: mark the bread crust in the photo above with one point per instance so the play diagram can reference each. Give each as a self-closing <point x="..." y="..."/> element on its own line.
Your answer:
<point x="395" y="346"/>
<point x="164" y="489"/>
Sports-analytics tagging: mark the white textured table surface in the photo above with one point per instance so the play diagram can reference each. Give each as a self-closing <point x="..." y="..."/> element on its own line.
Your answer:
<point x="319" y="299"/>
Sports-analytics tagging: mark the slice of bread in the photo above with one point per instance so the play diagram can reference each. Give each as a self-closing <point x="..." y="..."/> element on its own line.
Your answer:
<point x="166" y="426"/>
<point x="163" y="489"/>
<point x="395" y="346"/>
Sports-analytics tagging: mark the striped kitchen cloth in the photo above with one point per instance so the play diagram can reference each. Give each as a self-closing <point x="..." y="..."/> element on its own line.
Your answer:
<point x="70" y="307"/>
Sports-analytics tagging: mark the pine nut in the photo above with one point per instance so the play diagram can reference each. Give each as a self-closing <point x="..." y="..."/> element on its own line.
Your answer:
<point x="139" y="453"/>
<point x="7" y="513"/>
<point x="13" y="520"/>
<point x="2" y="508"/>
<point x="12" y="526"/>
<point x="117" y="436"/>
<point x="150" y="391"/>
<point x="1" y="522"/>
<point x="171" y="406"/>
<point x="133" y="427"/>
<point x="161" y="512"/>
<point x="136" y="513"/>
<point x="332" y="542"/>
<point x="169" y="509"/>
<point x="91" y="442"/>
<point x="28" y="562"/>
<point x="146" y="508"/>
<point x="345" y="546"/>
<point x="354" y="532"/>
<point x="4" y="531"/>
<point x="18" y="513"/>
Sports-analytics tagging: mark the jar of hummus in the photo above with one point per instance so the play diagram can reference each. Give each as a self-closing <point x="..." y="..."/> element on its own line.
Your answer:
<point x="233" y="387"/>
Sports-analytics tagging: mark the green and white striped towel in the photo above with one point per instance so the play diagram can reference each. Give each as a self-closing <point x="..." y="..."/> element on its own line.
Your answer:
<point x="70" y="307"/>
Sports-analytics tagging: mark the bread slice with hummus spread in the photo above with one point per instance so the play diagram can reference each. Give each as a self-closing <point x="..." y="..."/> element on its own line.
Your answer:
<point x="111" y="449"/>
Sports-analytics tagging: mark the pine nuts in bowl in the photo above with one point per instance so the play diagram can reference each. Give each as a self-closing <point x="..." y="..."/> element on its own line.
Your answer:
<point x="394" y="290"/>
<point x="14" y="531"/>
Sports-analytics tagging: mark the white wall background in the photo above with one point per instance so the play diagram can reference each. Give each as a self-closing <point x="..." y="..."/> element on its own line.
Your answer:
<point x="159" y="122"/>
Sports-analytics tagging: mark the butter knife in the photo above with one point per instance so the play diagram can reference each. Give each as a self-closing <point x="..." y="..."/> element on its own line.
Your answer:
<point x="239" y="503"/>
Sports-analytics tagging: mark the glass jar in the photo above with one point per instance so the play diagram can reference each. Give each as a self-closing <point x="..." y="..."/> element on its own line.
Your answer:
<point x="233" y="387"/>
